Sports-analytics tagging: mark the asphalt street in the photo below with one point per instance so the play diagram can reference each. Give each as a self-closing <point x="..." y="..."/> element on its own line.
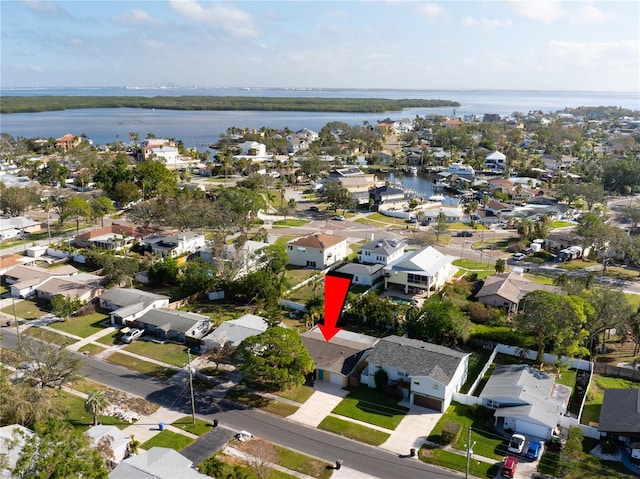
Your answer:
<point x="311" y="441"/>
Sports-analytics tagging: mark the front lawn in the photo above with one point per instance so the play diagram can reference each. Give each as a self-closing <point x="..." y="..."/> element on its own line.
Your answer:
<point x="83" y="326"/>
<point x="49" y="336"/>
<point x="251" y="399"/>
<point x="488" y="442"/>
<point x="353" y="431"/>
<point x="141" y="366"/>
<point x="78" y="417"/>
<point x="299" y="394"/>
<point x="290" y="222"/>
<point x="369" y="405"/>
<point x="91" y="349"/>
<point x="304" y="464"/>
<point x="168" y="353"/>
<point x="186" y="424"/>
<point x="27" y="309"/>
<point x="169" y="439"/>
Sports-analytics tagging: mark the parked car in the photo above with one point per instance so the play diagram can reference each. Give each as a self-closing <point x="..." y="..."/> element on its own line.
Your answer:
<point x="527" y="251"/>
<point x="313" y="209"/>
<point x="509" y="466"/>
<point x="244" y="436"/>
<point x="519" y="256"/>
<point x="338" y="218"/>
<point x="131" y="335"/>
<point x="465" y="234"/>
<point x="516" y="444"/>
<point x="533" y="450"/>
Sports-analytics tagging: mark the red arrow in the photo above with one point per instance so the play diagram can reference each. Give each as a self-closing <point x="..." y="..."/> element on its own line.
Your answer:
<point x="336" y="286"/>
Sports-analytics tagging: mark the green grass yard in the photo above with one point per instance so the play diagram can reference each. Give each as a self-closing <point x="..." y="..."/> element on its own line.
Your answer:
<point x="186" y="424"/>
<point x="141" y="366"/>
<point x="595" y="395"/>
<point x="170" y="439"/>
<point x="49" y="336"/>
<point x="27" y="309"/>
<point x="78" y="417"/>
<point x="369" y="405"/>
<point x="169" y="353"/>
<point x="458" y="462"/>
<point x="353" y="431"/>
<point x="83" y="326"/>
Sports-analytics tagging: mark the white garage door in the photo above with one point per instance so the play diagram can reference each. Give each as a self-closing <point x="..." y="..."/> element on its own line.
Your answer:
<point x="529" y="429"/>
<point x="335" y="378"/>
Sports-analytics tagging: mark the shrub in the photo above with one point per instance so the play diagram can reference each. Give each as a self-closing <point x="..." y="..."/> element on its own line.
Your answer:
<point x="381" y="378"/>
<point x="451" y="432"/>
<point x="480" y="412"/>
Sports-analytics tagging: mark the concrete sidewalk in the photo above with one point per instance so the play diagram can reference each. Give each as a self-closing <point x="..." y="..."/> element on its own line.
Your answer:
<point x="413" y="430"/>
<point x="319" y="405"/>
<point x="148" y="426"/>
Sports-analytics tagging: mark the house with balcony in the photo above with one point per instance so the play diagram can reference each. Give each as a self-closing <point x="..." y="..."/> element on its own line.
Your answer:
<point x="382" y="251"/>
<point x="427" y="374"/>
<point x="317" y="250"/>
<point x="495" y="161"/>
<point x="426" y="269"/>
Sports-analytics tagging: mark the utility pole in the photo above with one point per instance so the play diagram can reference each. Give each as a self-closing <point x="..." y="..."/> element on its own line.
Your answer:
<point x="193" y="403"/>
<point x="15" y="318"/>
<point x="469" y="447"/>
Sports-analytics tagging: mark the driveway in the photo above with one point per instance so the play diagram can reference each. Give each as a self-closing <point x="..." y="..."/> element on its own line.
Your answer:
<point x="319" y="405"/>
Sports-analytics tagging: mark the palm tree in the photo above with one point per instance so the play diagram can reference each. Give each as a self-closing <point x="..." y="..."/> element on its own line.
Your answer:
<point x="95" y="404"/>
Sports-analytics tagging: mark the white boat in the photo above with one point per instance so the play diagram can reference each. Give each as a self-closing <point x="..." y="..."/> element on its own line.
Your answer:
<point x="436" y="198"/>
<point x="413" y="170"/>
<point x="460" y="169"/>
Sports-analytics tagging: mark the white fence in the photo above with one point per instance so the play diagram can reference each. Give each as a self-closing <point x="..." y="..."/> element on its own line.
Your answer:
<point x="547" y="358"/>
<point x="588" y="431"/>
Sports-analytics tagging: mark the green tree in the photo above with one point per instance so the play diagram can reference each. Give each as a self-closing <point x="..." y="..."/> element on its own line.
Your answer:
<point x="501" y="265"/>
<point x="100" y="207"/>
<point x="196" y="276"/>
<point x="593" y="231"/>
<point x="592" y="193"/>
<point x="77" y="208"/>
<point x="337" y="195"/>
<point x="48" y="364"/>
<point x="57" y="450"/>
<point x="118" y="271"/>
<point x="276" y="358"/>
<point x="15" y="201"/>
<point x="212" y="466"/>
<point x="25" y="405"/>
<point x="95" y="404"/>
<point x="63" y="306"/>
<point x="441" y="226"/>
<point x="440" y="321"/>
<point x="125" y="192"/>
<point x="155" y="179"/>
<point x="556" y="321"/>
<point x="164" y="271"/>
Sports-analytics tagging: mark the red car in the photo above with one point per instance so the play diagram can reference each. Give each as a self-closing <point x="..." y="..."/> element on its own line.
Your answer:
<point x="509" y="465"/>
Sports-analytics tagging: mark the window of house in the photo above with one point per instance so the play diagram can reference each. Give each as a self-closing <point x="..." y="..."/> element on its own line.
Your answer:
<point x="311" y="264"/>
<point x="302" y="249"/>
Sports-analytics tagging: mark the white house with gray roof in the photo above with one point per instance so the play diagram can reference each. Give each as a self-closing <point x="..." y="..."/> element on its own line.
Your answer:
<point x="428" y="374"/>
<point x="180" y="326"/>
<point x="425" y="269"/>
<point x="234" y="331"/>
<point x="363" y="274"/>
<point x="382" y="251"/>
<point x="528" y="400"/>
<point x="118" y="440"/>
<point x="175" y="245"/>
<point x="128" y="304"/>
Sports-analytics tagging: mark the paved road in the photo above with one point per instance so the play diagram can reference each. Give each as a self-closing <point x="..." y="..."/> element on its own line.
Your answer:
<point x="311" y="441"/>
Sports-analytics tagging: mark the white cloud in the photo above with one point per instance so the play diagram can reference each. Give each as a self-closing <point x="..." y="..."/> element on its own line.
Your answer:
<point x="430" y="10"/>
<point x="545" y="11"/>
<point x="28" y="68"/>
<point x="221" y="16"/>
<point x="590" y="14"/>
<point x="44" y="8"/>
<point x="136" y="17"/>
<point x="469" y="21"/>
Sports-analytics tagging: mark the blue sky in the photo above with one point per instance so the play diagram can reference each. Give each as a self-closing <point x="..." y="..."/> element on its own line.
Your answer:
<point x="520" y="45"/>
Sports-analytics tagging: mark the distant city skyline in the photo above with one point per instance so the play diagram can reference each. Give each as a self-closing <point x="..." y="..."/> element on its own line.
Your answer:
<point x="441" y="45"/>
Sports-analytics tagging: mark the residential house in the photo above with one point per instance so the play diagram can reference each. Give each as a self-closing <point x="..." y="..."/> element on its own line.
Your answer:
<point x="169" y="154"/>
<point x="252" y="150"/>
<point x="386" y="128"/>
<point x="24" y="280"/>
<point x="82" y="286"/>
<point x="234" y="331"/>
<point x="12" y="439"/>
<point x="363" y="274"/>
<point x="620" y="414"/>
<point x="117" y="440"/>
<point x="176" y="244"/>
<point x="296" y="144"/>
<point x="526" y="400"/>
<point x="386" y="194"/>
<point x="152" y="146"/>
<point x="495" y="161"/>
<point x="126" y="305"/>
<point x="382" y="251"/>
<point x="10" y="180"/>
<point x="506" y="290"/>
<point x="317" y="250"/>
<point x="67" y="142"/>
<point x="112" y="237"/>
<point x="451" y="215"/>
<point x="156" y="463"/>
<point x="559" y="240"/>
<point x="428" y="374"/>
<point x="169" y="324"/>
<point x="18" y="227"/>
<point x="424" y="269"/>
<point x="9" y="260"/>
<point x="498" y="209"/>
<point x="341" y="360"/>
<point x="239" y="260"/>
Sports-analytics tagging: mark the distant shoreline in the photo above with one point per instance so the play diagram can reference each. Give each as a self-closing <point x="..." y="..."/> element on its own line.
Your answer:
<point x="38" y="104"/>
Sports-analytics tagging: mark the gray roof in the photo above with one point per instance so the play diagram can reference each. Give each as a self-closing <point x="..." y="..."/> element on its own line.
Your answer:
<point x="180" y="321"/>
<point x="417" y="357"/>
<point x="360" y="269"/>
<point x="620" y="411"/>
<point x="156" y="463"/>
<point x="235" y="331"/>
<point x="118" y="437"/>
<point x="383" y="246"/>
<point x="127" y="296"/>
<point x="512" y="287"/>
<point x="428" y="260"/>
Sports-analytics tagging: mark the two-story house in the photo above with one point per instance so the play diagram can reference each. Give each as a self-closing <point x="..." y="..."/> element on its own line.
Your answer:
<point x="382" y="251"/>
<point x="176" y="244"/>
<point x="426" y="269"/>
<point x="317" y="250"/>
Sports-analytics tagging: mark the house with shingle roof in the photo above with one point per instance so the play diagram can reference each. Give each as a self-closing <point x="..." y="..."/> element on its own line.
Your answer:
<point x="506" y="290"/>
<point x="118" y="441"/>
<point x="234" y="331"/>
<point x="428" y="374"/>
<point x="25" y="279"/>
<point x="156" y="463"/>
<point x="425" y="269"/>
<point x="83" y="286"/>
<point x="620" y="413"/>
<point x="528" y="401"/>
<point x="175" y="325"/>
<point x="128" y="304"/>
<point x="363" y="274"/>
<point x="317" y="250"/>
<point x="382" y="251"/>
<point x="339" y="359"/>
